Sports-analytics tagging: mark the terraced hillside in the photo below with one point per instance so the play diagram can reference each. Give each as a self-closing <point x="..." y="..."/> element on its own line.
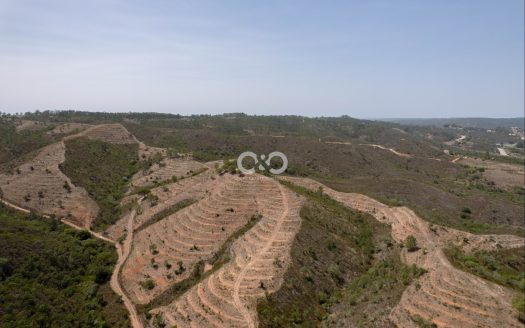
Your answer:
<point x="167" y="169"/>
<point x="112" y="133"/>
<point x="41" y="186"/>
<point x="227" y="298"/>
<point x="193" y="234"/>
<point x="445" y="296"/>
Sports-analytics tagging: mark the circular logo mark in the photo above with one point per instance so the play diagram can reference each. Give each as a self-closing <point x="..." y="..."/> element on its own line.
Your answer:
<point x="262" y="165"/>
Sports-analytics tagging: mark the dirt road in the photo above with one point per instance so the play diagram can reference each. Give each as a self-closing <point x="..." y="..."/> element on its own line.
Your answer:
<point x="268" y="244"/>
<point x="123" y="253"/>
<point x="389" y="149"/>
<point x="13" y="206"/>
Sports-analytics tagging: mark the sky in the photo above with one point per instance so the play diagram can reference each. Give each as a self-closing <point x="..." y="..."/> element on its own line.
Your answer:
<point x="365" y="59"/>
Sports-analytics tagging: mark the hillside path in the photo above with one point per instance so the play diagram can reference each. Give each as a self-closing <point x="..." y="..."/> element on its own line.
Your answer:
<point x="123" y="253"/>
<point x="395" y="152"/>
<point x="236" y="288"/>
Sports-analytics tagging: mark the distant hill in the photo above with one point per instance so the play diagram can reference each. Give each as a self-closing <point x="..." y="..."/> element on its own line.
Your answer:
<point x="478" y="122"/>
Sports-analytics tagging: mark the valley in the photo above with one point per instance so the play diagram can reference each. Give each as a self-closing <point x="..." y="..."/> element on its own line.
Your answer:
<point x="199" y="245"/>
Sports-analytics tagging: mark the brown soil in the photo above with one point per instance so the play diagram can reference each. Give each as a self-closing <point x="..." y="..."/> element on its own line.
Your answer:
<point x="29" y="125"/>
<point x="112" y="133"/>
<point x="40" y="186"/>
<point x="148" y="152"/>
<point x="192" y="234"/>
<point x="165" y="170"/>
<point x="227" y="298"/>
<point x="502" y="174"/>
<point x="69" y="128"/>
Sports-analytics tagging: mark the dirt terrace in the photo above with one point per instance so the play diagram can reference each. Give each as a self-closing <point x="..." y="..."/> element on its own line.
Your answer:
<point x="195" y="187"/>
<point x="41" y="186"/>
<point x="148" y="152"/>
<point x="69" y="128"/>
<point x="194" y="233"/>
<point x="24" y="125"/>
<point x="167" y="169"/>
<point x="112" y="133"/>
<point x="259" y="259"/>
<point x="445" y="295"/>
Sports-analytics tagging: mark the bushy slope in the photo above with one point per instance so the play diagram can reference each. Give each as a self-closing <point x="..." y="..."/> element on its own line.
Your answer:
<point x="14" y="146"/>
<point x="333" y="249"/>
<point x="52" y="276"/>
<point x="104" y="170"/>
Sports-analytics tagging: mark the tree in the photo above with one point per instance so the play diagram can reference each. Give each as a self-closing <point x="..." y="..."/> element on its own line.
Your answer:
<point x="148" y="284"/>
<point x="102" y="275"/>
<point x="411" y="243"/>
<point x="5" y="268"/>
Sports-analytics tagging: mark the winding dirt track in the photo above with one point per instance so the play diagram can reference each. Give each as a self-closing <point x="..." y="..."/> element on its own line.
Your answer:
<point x="446" y="296"/>
<point x="242" y="275"/>
<point x="389" y="149"/>
<point x="123" y="253"/>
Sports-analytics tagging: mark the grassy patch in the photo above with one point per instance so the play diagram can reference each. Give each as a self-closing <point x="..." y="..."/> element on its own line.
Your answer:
<point x="518" y="302"/>
<point x="104" y="170"/>
<point x="16" y="147"/>
<point x="423" y="323"/>
<point x="53" y="276"/>
<point x="504" y="267"/>
<point x="368" y="300"/>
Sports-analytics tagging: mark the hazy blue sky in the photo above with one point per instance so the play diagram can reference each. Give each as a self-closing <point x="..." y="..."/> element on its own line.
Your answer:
<point x="367" y="59"/>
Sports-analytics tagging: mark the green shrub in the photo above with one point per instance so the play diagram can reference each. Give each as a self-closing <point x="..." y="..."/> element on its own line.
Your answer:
<point x="148" y="284"/>
<point x="411" y="243"/>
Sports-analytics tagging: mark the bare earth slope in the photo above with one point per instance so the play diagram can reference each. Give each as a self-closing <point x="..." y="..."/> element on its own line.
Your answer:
<point x="167" y="169"/>
<point x="41" y="186"/>
<point x="112" y="133"/>
<point x="445" y="296"/>
<point x="227" y="298"/>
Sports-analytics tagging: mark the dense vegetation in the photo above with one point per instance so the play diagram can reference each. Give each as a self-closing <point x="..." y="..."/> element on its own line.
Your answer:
<point x="334" y="251"/>
<point x="53" y="276"/>
<point x="104" y="170"/>
<point x="505" y="267"/>
<point x="15" y="146"/>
